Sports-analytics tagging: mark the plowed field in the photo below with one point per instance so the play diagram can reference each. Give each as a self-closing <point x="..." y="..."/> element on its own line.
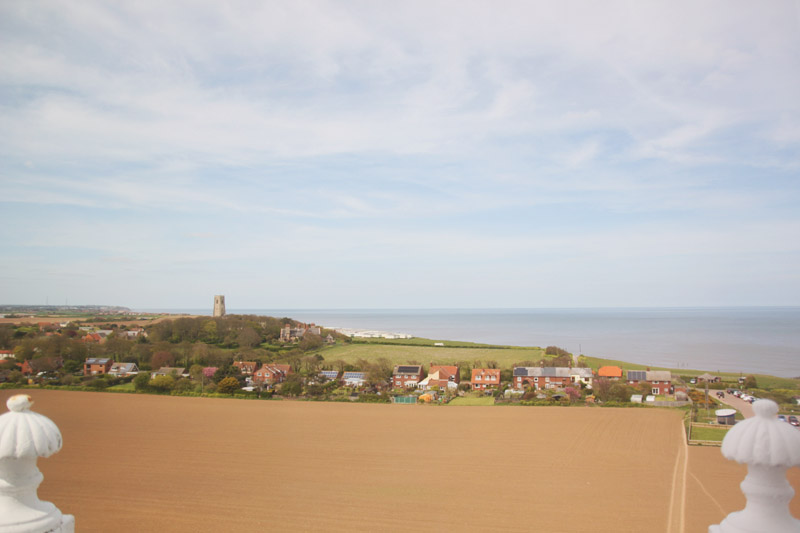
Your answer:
<point x="149" y="463"/>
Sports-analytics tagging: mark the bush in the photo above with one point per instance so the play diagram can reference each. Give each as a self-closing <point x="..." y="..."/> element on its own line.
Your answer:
<point x="98" y="383"/>
<point x="228" y="385"/>
<point x="141" y="382"/>
<point x="162" y="383"/>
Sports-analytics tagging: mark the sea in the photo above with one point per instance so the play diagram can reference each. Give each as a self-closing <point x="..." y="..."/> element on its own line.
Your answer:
<point x="760" y="340"/>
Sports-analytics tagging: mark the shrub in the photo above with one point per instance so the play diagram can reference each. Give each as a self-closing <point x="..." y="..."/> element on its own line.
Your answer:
<point x="141" y="382"/>
<point x="228" y="385"/>
<point x="162" y="383"/>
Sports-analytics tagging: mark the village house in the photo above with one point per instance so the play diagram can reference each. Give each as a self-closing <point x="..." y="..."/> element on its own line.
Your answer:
<point x="6" y="354"/>
<point x="538" y="378"/>
<point x="272" y="374"/>
<point x="329" y="375"/>
<point x="709" y="378"/>
<point x="485" y="378"/>
<point x="173" y="371"/>
<point x="581" y="375"/>
<point x="441" y="376"/>
<point x="354" y="379"/>
<point x="406" y="376"/>
<point x="610" y="372"/>
<point x="93" y="337"/>
<point x="123" y="370"/>
<point x="660" y="380"/>
<point x="97" y="365"/>
<point x="247" y="368"/>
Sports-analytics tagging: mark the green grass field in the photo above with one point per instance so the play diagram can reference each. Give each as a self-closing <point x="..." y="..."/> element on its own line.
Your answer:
<point x="764" y="381"/>
<point x="426" y="353"/>
<point x="704" y="433"/>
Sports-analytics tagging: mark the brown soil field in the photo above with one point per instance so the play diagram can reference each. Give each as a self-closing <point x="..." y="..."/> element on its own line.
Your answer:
<point x="158" y="463"/>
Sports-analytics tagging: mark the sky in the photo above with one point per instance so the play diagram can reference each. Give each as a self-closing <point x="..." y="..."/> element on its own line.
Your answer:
<point x="417" y="154"/>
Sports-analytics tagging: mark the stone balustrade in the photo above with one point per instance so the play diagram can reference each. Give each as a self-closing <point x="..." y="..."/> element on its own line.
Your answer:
<point x="769" y="448"/>
<point x="24" y="437"/>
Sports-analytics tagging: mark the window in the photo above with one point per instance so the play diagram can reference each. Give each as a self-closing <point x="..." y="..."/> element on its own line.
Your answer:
<point x="519" y="379"/>
<point x="536" y="379"/>
<point x="477" y="378"/>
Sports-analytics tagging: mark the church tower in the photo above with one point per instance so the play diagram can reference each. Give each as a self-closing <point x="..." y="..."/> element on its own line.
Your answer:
<point x="219" y="305"/>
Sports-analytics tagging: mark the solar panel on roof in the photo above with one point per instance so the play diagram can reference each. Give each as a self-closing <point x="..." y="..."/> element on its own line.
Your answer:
<point x="637" y="375"/>
<point x="521" y="371"/>
<point x="407" y="369"/>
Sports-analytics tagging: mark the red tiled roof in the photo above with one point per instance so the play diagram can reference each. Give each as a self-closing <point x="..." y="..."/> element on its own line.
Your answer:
<point x="609" y="372"/>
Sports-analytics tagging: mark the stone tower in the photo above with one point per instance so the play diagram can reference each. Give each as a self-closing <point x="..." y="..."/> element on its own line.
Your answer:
<point x="219" y="305"/>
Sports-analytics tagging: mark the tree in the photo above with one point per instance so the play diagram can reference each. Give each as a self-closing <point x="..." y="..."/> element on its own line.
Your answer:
<point x="750" y="382"/>
<point x="620" y="392"/>
<point x="310" y="342"/>
<point x="601" y="387"/>
<point x="162" y="358"/>
<point x="572" y="393"/>
<point x="141" y="382"/>
<point x="228" y="385"/>
<point x="248" y="337"/>
<point x="291" y="388"/>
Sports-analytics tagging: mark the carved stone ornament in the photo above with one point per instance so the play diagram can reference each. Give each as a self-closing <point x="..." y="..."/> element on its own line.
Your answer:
<point x="24" y="437"/>
<point x="769" y="447"/>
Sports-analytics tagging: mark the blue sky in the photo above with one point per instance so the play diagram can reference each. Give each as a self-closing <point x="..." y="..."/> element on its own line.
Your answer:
<point x="415" y="154"/>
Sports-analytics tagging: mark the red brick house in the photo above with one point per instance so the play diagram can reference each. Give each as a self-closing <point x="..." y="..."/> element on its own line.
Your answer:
<point x="97" y="365"/>
<point x="484" y="378"/>
<point x="660" y="381"/>
<point x="537" y="378"/>
<point x="272" y="374"/>
<point x="248" y="368"/>
<point x="406" y="376"/>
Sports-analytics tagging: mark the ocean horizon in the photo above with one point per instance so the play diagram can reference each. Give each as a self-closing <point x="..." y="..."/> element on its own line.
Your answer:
<point x="762" y="340"/>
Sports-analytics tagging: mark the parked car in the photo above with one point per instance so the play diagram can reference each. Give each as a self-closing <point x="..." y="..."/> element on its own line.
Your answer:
<point x="793" y="421"/>
<point x="693" y="381"/>
<point x="720" y="394"/>
<point x="782" y="418"/>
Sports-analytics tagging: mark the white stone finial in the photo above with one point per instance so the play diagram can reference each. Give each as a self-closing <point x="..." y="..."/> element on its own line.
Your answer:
<point x="769" y="447"/>
<point x="24" y="437"/>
